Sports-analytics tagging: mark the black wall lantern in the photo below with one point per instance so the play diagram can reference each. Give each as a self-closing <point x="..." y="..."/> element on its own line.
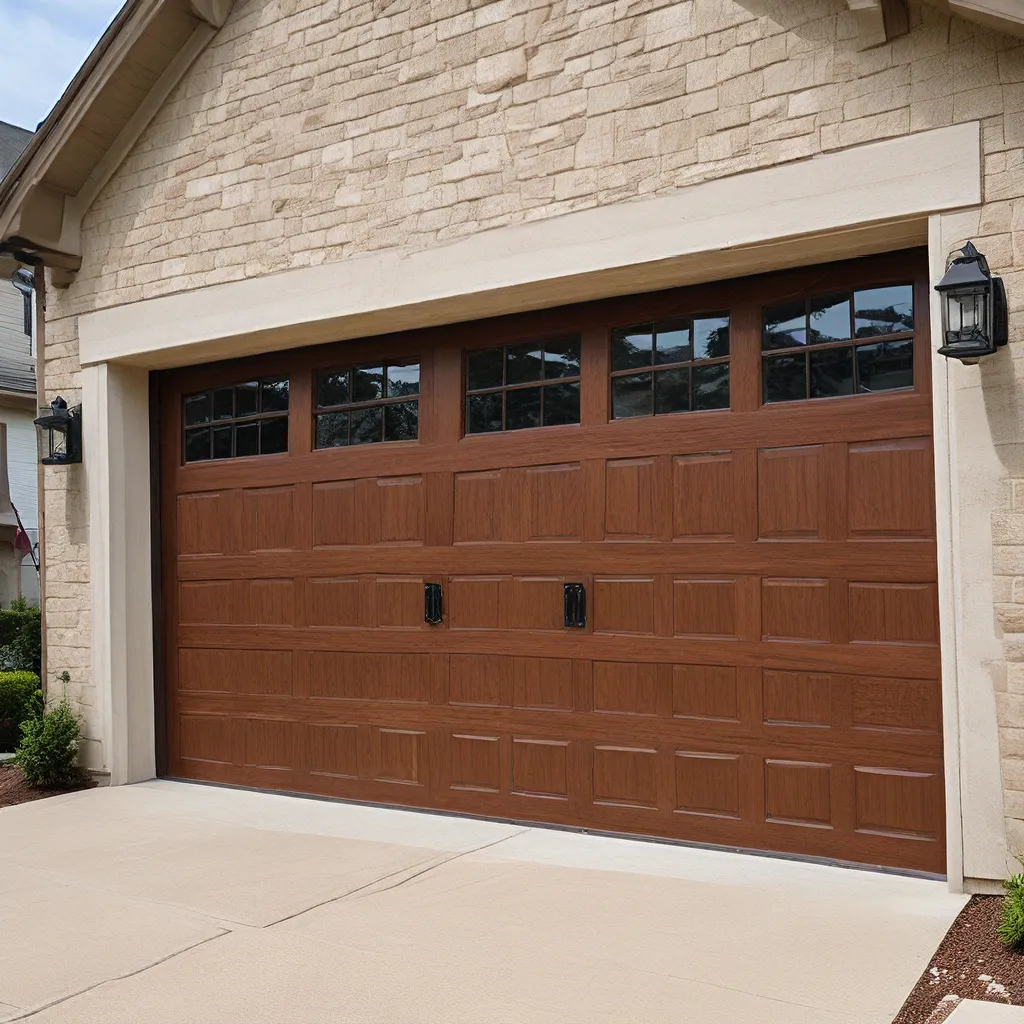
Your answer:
<point x="974" y="321"/>
<point x="61" y="430"/>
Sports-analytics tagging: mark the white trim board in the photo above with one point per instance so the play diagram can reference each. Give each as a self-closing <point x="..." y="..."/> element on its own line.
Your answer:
<point x="840" y="204"/>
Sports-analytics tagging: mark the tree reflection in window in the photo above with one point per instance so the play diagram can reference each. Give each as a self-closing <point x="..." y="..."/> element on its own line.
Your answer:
<point x="675" y="365"/>
<point x="810" y="348"/>
<point x="533" y="384"/>
<point x="367" y="404"/>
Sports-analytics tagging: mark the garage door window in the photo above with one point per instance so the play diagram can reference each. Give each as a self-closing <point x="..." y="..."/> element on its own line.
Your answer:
<point x="536" y="384"/>
<point x="367" y="404"/>
<point x="679" y="365"/>
<point x="843" y="343"/>
<point x="250" y="418"/>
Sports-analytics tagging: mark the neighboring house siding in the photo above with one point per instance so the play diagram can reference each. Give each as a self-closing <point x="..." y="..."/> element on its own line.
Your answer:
<point x="23" y="470"/>
<point x="308" y="132"/>
<point x="22" y="464"/>
<point x="14" y="342"/>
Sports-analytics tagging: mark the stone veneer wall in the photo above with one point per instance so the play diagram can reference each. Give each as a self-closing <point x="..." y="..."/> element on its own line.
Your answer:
<point x="316" y="130"/>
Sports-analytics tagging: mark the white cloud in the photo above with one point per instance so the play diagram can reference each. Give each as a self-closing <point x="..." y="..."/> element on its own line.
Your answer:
<point x="41" y="48"/>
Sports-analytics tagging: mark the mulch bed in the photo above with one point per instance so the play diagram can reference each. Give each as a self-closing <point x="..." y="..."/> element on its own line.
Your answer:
<point x="15" y="790"/>
<point x="970" y="963"/>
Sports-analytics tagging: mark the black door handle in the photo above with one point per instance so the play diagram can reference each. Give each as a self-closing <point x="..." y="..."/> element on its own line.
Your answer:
<point x="432" y="611"/>
<point x="575" y="606"/>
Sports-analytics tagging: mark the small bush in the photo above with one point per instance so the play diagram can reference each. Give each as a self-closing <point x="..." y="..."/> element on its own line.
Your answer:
<point x="21" y="637"/>
<point x="48" y="753"/>
<point x="1011" y="928"/>
<point x="20" y="699"/>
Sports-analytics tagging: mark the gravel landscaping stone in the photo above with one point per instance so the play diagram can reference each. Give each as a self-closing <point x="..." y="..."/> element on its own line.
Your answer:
<point x="970" y="963"/>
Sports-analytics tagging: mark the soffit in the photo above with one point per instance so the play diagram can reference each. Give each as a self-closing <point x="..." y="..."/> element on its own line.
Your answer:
<point x="141" y="57"/>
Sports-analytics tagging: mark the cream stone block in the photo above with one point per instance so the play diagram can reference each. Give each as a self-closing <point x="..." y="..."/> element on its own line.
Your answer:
<point x="500" y="70"/>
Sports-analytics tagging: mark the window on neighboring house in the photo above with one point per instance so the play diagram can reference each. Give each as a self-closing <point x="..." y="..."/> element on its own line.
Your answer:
<point x="231" y="422"/>
<point x="677" y="365"/>
<point x="536" y="384"/>
<point x="843" y="343"/>
<point x="367" y="404"/>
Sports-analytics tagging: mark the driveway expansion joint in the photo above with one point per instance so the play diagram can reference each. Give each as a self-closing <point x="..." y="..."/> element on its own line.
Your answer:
<point x="362" y="891"/>
<point x="117" y="977"/>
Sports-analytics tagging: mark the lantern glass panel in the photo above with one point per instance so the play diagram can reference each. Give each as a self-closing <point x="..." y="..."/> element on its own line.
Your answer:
<point x="967" y="312"/>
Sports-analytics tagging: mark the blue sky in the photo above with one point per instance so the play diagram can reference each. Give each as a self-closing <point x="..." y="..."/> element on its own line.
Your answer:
<point x="42" y="45"/>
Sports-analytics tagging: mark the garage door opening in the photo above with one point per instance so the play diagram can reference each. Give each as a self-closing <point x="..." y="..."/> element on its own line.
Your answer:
<point x="660" y="565"/>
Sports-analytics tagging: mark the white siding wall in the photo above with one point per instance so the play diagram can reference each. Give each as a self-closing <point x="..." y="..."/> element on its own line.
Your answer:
<point x="15" y="344"/>
<point x="22" y="469"/>
<point x="22" y="456"/>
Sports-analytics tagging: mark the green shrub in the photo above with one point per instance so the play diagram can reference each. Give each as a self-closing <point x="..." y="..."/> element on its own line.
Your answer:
<point x="48" y="753"/>
<point x="20" y="698"/>
<point x="1011" y="928"/>
<point x="21" y="637"/>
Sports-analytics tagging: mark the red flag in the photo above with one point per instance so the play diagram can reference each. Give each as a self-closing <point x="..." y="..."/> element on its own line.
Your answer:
<point x="22" y="541"/>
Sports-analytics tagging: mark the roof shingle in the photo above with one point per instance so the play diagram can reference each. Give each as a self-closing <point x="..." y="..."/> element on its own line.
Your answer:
<point x="12" y="141"/>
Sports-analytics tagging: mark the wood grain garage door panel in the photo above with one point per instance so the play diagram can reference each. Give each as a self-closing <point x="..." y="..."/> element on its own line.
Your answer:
<point x="759" y="662"/>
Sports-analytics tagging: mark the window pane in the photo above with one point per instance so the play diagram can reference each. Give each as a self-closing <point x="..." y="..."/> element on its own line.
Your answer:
<point x="632" y="346"/>
<point x="885" y="366"/>
<point x="247" y="397"/>
<point x="401" y="421"/>
<point x="711" y="337"/>
<point x="275" y="396"/>
<point x="403" y="380"/>
<point x="785" y="325"/>
<point x="332" y="430"/>
<point x="197" y="409"/>
<point x="672" y="341"/>
<point x="831" y="373"/>
<point x="366" y="425"/>
<point x="483" y="413"/>
<point x="711" y="386"/>
<point x="672" y="391"/>
<point x="273" y="436"/>
<point x="523" y="363"/>
<point x="522" y="408"/>
<point x="331" y="389"/>
<point x="367" y="383"/>
<point x="883" y="310"/>
<point x="222" y="443"/>
<point x="484" y="369"/>
<point x="784" y="378"/>
<point x="223" y="403"/>
<point x="561" y="404"/>
<point x="632" y="395"/>
<point x="562" y="358"/>
<point x="830" y="318"/>
<point x="197" y="444"/>
<point x="247" y="439"/>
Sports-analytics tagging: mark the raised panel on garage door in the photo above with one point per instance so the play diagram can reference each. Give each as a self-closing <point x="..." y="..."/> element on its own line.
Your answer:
<point x="682" y="544"/>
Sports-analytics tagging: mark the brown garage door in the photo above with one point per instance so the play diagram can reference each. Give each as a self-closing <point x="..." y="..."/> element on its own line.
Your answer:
<point x="682" y="547"/>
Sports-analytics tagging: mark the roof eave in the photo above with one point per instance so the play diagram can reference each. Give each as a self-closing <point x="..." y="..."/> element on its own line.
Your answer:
<point x="40" y="223"/>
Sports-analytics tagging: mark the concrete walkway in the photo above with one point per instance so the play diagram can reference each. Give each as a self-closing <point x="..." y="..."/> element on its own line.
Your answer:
<point x="168" y="903"/>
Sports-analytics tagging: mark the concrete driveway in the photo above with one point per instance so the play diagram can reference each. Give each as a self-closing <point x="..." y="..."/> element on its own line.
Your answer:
<point x="185" y="904"/>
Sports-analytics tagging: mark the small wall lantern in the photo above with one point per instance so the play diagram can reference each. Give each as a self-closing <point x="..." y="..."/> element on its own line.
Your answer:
<point x="61" y="430"/>
<point x="974" y="320"/>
